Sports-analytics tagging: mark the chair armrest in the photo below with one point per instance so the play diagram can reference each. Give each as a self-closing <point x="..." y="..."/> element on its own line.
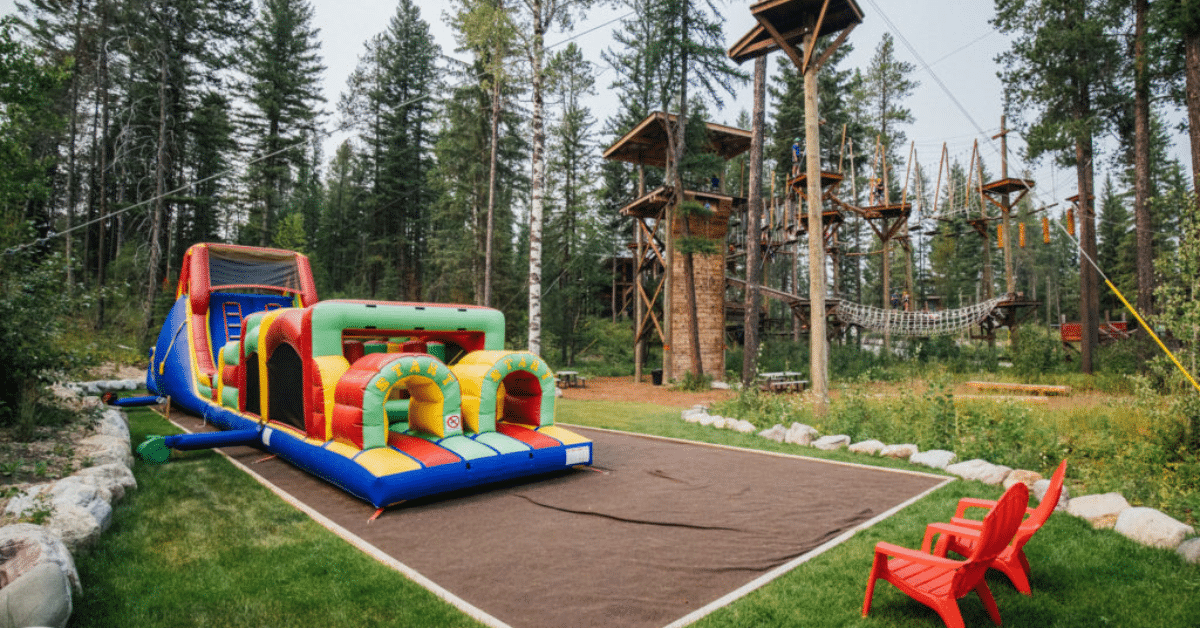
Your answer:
<point x="888" y="549"/>
<point x="946" y="529"/>
<point x="971" y="502"/>
<point x="986" y="504"/>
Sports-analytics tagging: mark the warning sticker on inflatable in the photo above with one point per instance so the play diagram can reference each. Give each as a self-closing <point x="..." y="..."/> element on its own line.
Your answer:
<point x="453" y="421"/>
<point x="578" y="455"/>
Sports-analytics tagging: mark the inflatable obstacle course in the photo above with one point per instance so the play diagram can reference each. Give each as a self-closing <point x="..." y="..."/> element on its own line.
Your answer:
<point x="389" y="401"/>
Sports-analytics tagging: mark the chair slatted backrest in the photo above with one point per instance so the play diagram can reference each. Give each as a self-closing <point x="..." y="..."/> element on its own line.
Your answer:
<point x="999" y="527"/>
<point x="1049" y="500"/>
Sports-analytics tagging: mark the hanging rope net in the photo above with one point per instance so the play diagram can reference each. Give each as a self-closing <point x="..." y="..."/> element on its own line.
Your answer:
<point x="906" y="323"/>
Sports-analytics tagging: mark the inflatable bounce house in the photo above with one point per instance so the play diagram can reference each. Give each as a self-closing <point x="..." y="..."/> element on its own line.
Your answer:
<point x="389" y="401"/>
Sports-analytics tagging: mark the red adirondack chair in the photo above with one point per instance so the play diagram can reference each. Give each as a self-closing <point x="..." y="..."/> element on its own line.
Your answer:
<point x="938" y="582"/>
<point x="1011" y="561"/>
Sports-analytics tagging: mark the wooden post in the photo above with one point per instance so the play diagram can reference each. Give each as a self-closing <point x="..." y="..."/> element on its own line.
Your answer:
<point x="819" y="348"/>
<point x="1010" y="276"/>
<point x="639" y="314"/>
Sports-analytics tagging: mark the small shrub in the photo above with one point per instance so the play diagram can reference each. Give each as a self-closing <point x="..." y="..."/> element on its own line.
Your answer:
<point x="692" y="382"/>
<point x="1036" y="351"/>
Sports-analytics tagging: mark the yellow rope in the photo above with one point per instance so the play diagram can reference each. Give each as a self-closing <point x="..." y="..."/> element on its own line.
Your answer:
<point x="1152" y="334"/>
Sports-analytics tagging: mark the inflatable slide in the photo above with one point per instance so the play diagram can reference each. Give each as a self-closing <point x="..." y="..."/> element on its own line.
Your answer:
<point x="389" y="401"/>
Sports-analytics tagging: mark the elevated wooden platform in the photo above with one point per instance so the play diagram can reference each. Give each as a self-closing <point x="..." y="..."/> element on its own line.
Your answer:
<point x="652" y="203"/>
<point x="1008" y="186"/>
<point x="890" y="210"/>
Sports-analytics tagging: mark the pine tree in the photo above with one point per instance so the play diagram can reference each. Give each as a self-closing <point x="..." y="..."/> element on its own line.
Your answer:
<point x="211" y="130"/>
<point x="283" y="67"/>
<point x="390" y="101"/>
<point x="1067" y="74"/>
<point x="460" y="185"/>
<point x="888" y="84"/>
<point x="571" y="174"/>
<point x="1113" y="252"/>
<point x="486" y="30"/>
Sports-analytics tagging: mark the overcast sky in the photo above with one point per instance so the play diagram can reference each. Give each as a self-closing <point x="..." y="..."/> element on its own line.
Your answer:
<point x="952" y="45"/>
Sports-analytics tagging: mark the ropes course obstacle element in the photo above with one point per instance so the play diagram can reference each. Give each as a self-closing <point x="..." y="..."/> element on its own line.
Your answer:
<point x="915" y="323"/>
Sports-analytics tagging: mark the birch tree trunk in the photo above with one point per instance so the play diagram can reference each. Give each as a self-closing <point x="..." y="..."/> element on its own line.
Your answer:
<point x="537" y="191"/>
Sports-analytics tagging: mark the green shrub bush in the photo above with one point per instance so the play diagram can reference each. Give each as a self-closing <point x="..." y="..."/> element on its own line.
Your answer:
<point x="34" y="311"/>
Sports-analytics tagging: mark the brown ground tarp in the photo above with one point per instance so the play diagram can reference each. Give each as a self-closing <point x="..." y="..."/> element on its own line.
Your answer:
<point x="656" y="530"/>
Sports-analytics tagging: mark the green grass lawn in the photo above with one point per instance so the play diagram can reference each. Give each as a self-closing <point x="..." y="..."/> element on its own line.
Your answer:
<point x="199" y="543"/>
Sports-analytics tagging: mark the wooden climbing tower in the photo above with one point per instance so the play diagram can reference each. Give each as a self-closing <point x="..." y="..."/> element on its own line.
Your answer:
<point x="661" y="308"/>
<point x="795" y="26"/>
<point x="1015" y="307"/>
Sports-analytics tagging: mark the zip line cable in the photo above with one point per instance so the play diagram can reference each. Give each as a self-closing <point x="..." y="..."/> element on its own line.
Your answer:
<point x="1132" y="310"/>
<point x="177" y="190"/>
<point x="1078" y="245"/>
<point x="55" y="234"/>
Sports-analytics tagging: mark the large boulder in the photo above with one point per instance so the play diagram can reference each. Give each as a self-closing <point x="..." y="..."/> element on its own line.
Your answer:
<point x="867" y="447"/>
<point x="50" y="549"/>
<point x="979" y="469"/>
<point x="1151" y="527"/>
<point x="112" y="423"/>
<point x="902" y="451"/>
<point x="775" y="433"/>
<point x="742" y="426"/>
<point x="832" y="442"/>
<point x="37" y="576"/>
<point x="1189" y="551"/>
<point x="104" y="449"/>
<point x="1100" y="510"/>
<point x="1024" y="476"/>
<point x="936" y="458"/>
<point x="76" y="509"/>
<point x="115" y="478"/>
<point x="800" y="434"/>
<point x="41" y="596"/>
<point x="1041" y="487"/>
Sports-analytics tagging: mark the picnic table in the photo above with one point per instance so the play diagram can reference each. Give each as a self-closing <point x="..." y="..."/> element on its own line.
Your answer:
<point x="570" y="379"/>
<point x="782" y="381"/>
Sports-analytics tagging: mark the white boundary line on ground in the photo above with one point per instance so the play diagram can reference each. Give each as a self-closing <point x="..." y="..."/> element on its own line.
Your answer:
<point x="764" y="579"/>
<point x="781" y="454"/>
<point x="475" y="612"/>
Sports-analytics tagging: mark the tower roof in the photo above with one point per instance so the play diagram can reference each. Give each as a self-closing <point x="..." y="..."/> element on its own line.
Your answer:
<point x="647" y="142"/>
<point x="792" y="20"/>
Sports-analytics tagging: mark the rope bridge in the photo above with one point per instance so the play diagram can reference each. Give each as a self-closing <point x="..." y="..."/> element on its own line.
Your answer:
<point x="907" y="323"/>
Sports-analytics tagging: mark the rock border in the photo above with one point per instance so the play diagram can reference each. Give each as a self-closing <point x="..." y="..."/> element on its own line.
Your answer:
<point x="1109" y="510"/>
<point x="54" y="519"/>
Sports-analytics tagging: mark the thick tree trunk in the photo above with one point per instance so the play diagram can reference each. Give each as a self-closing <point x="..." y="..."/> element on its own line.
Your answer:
<point x="1191" y="47"/>
<point x="753" y="222"/>
<point x="689" y="270"/>
<point x="1141" y="165"/>
<point x="1089" y="296"/>
<point x="160" y="175"/>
